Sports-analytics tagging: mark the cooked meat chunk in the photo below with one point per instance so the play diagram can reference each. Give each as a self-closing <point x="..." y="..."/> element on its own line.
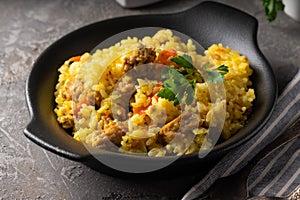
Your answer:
<point x="141" y="56"/>
<point x="169" y="130"/>
<point x="171" y="126"/>
<point x="114" y="130"/>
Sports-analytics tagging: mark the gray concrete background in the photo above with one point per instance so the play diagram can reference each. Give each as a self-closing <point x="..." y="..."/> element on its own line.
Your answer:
<point x="27" y="28"/>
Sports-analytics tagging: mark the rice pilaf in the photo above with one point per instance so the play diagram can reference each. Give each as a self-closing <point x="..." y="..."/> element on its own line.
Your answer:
<point x="89" y="84"/>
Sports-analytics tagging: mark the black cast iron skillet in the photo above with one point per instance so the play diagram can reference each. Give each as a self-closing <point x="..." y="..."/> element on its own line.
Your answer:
<point x="207" y="23"/>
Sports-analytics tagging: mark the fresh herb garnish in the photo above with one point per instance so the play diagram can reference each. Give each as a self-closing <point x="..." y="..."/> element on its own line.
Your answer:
<point x="166" y="93"/>
<point x="187" y="69"/>
<point x="216" y="75"/>
<point x="184" y="61"/>
<point x="175" y="87"/>
<point x="271" y="8"/>
<point x="182" y="81"/>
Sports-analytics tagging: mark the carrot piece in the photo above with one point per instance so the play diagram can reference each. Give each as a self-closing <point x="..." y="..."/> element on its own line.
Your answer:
<point x="165" y="56"/>
<point x="75" y="59"/>
<point x="140" y="110"/>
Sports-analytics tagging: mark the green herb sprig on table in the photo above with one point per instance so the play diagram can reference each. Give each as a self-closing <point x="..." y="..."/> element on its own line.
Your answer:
<point x="182" y="81"/>
<point x="271" y="8"/>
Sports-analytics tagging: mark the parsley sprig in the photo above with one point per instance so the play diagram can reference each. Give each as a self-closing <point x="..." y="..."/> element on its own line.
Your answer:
<point x="216" y="75"/>
<point x="180" y="82"/>
<point x="175" y="87"/>
<point x="271" y="8"/>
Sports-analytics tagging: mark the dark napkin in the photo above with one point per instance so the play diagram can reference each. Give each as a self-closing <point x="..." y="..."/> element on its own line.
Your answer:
<point x="286" y="111"/>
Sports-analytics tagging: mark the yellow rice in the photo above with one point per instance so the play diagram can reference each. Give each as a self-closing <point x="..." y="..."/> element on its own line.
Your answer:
<point x="92" y="78"/>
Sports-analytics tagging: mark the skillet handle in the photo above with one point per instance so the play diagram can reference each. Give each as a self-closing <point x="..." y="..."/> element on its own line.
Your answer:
<point x="220" y="23"/>
<point x="38" y="132"/>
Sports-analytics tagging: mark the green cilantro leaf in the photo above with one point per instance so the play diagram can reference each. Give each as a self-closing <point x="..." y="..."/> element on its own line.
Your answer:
<point x="184" y="61"/>
<point x="180" y="83"/>
<point x="168" y="94"/>
<point x="223" y="69"/>
<point x="216" y="75"/>
<point x="271" y="8"/>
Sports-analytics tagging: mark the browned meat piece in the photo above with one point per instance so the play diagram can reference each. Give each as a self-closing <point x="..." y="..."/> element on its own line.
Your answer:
<point x="141" y="56"/>
<point x="169" y="130"/>
<point x="171" y="126"/>
<point x="114" y="130"/>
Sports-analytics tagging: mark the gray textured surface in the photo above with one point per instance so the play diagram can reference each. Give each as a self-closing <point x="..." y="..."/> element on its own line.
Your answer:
<point x="26" y="29"/>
